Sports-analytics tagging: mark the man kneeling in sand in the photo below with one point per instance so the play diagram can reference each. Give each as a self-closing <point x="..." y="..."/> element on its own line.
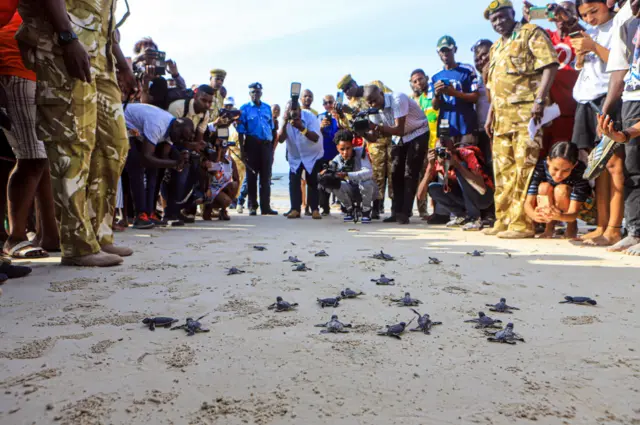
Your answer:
<point x="353" y="167"/>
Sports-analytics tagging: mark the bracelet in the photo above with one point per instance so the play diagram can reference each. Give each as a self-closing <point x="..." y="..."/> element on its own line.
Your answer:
<point x="627" y="136"/>
<point x="305" y="131"/>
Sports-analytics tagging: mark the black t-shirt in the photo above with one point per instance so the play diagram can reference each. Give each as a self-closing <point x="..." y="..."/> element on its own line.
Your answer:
<point x="581" y="191"/>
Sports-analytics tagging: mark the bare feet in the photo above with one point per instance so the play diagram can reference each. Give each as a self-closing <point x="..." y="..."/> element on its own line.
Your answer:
<point x="625" y="244"/>
<point x="598" y="232"/>
<point x="610" y="237"/>
<point x="548" y="233"/>
<point x="634" y="250"/>
<point x="572" y="231"/>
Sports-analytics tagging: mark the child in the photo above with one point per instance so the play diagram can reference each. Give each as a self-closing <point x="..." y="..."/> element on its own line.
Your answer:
<point x="223" y="186"/>
<point x="557" y="191"/>
<point x="353" y="164"/>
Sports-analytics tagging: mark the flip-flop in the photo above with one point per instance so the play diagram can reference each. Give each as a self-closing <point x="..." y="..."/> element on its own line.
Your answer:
<point x="12" y="271"/>
<point x="22" y="250"/>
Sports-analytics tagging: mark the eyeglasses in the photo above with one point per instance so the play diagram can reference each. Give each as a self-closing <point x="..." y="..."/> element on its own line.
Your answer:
<point x="328" y="103"/>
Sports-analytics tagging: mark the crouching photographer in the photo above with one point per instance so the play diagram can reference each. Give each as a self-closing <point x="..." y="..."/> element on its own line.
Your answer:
<point x="456" y="181"/>
<point x="349" y="176"/>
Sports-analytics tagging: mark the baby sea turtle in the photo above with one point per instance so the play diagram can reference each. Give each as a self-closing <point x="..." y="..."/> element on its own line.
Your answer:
<point x="259" y="248"/>
<point x="233" y="271"/>
<point x="192" y="326"/>
<point x="407" y="301"/>
<point x="383" y="280"/>
<point x="506" y="335"/>
<point x="322" y="253"/>
<point x="292" y="260"/>
<point x="281" y="305"/>
<point x="578" y="300"/>
<point x="476" y="253"/>
<point x="395" y="330"/>
<point x="383" y="256"/>
<point x="484" y="321"/>
<point x="424" y="323"/>
<point x="301" y="268"/>
<point x="502" y="307"/>
<point x="348" y="293"/>
<point x="334" y="326"/>
<point x="434" y="260"/>
<point x="330" y="302"/>
<point x="161" y="322"/>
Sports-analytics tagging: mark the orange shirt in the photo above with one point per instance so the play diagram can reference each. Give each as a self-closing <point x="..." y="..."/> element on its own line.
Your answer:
<point x="10" y="58"/>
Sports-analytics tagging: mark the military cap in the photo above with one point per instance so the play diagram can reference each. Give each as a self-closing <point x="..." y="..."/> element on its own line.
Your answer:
<point x="497" y="5"/>
<point x="344" y="81"/>
<point x="218" y="72"/>
<point x="255" y="86"/>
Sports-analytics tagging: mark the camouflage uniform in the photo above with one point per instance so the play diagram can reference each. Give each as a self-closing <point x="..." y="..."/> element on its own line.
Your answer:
<point x="380" y="151"/>
<point x="514" y="78"/>
<point x="82" y="124"/>
<point x="216" y="105"/>
<point x="236" y="155"/>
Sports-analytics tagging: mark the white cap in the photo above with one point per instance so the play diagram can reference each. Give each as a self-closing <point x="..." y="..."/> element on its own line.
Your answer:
<point x="229" y="101"/>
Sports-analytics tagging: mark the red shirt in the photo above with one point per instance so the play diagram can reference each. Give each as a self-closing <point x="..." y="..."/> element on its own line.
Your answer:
<point x="562" y="88"/>
<point x="7" y="9"/>
<point x="10" y="57"/>
<point x="472" y="156"/>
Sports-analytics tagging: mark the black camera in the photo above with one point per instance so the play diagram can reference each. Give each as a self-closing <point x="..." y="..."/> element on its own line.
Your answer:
<point x="231" y="114"/>
<point x="443" y="153"/>
<point x="360" y="122"/>
<point x="328" y="180"/>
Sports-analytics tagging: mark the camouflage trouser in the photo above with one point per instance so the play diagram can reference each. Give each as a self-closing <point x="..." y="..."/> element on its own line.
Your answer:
<point x="380" y="153"/>
<point x="83" y="128"/>
<point x="514" y="159"/>
<point x="242" y="169"/>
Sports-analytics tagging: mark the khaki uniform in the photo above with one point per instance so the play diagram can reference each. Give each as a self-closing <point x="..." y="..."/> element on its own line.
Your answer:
<point x="514" y="78"/>
<point x="380" y="151"/>
<point x="236" y="155"/>
<point x="216" y="105"/>
<point x="82" y="124"/>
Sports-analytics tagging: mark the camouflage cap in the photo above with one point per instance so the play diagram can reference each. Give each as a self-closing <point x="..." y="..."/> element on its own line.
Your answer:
<point x="344" y="81"/>
<point x="218" y="73"/>
<point x="497" y="5"/>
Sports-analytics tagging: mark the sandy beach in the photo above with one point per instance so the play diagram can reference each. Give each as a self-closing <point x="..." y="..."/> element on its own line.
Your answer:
<point x="74" y="350"/>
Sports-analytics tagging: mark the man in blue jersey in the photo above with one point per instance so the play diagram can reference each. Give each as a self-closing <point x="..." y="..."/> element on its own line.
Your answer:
<point x="456" y="93"/>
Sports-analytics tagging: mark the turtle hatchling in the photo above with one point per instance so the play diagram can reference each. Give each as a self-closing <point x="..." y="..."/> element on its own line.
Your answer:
<point x="160" y="322"/>
<point x="383" y="280"/>
<point x="502" y="307"/>
<point x="506" y="335"/>
<point x="301" y="268"/>
<point x="322" y="253"/>
<point x="329" y="302"/>
<point x="259" y="248"/>
<point x="578" y="300"/>
<point x="476" y="253"/>
<point x="396" y="330"/>
<point x="348" y="293"/>
<point x="424" y="323"/>
<point x="383" y="256"/>
<point x="484" y="321"/>
<point x="192" y="326"/>
<point x="407" y="301"/>
<point x="292" y="259"/>
<point x="434" y="260"/>
<point x="334" y="326"/>
<point x="281" y="305"/>
<point x="234" y="270"/>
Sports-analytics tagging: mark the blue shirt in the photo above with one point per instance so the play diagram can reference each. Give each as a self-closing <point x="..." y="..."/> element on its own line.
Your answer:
<point x="256" y="121"/>
<point x="461" y="115"/>
<point x="328" y="133"/>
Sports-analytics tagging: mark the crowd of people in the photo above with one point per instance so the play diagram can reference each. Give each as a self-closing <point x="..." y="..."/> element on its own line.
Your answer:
<point x="542" y="129"/>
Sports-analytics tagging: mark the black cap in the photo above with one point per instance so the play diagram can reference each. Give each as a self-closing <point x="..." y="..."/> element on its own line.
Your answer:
<point x="255" y="86"/>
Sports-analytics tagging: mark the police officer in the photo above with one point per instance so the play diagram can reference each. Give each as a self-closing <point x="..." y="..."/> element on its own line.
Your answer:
<point x="256" y="134"/>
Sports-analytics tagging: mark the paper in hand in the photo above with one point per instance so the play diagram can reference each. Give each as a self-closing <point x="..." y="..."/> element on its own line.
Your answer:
<point x="550" y="113"/>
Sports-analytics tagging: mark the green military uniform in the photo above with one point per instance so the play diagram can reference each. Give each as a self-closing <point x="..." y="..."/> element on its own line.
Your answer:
<point x="380" y="151"/>
<point x="515" y="74"/>
<point x="82" y="124"/>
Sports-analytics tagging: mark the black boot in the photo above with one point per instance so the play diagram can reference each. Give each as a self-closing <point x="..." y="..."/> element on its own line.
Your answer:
<point x="375" y="212"/>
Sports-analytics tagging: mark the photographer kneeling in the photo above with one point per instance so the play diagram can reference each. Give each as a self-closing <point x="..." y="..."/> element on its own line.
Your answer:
<point x="223" y="181"/>
<point x="350" y="170"/>
<point x="456" y="181"/>
<point x="152" y="131"/>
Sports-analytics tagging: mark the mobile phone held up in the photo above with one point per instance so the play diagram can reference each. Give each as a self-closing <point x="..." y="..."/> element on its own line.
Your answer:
<point x="539" y="13"/>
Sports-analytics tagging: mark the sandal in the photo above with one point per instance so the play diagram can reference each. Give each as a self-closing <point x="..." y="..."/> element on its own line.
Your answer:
<point x="26" y="250"/>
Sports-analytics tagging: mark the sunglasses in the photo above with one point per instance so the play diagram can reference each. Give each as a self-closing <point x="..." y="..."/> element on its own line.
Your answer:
<point x="328" y="103"/>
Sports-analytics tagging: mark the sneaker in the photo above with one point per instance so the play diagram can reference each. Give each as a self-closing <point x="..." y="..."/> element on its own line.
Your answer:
<point x="269" y="212"/>
<point x="307" y="212"/>
<point x="348" y="216"/>
<point x="456" y="222"/>
<point x="155" y="220"/>
<point x="253" y="213"/>
<point x="240" y="209"/>
<point x="143" y="222"/>
<point x="473" y="225"/>
<point x="437" y="219"/>
<point x="175" y="223"/>
<point x="366" y="217"/>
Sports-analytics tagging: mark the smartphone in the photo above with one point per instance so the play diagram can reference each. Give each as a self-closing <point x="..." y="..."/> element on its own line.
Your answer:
<point x="223" y="133"/>
<point x="537" y="13"/>
<point x="576" y="34"/>
<point x="543" y="201"/>
<point x="340" y="98"/>
<point x="158" y="59"/>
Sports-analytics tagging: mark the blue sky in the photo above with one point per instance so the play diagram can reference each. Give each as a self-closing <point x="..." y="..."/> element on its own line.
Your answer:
<point x="316" y="43"/>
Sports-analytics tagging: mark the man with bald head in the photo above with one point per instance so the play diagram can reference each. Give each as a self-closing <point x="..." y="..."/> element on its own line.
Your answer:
<point x="307" y="100"/>
<point x="401" y="119"/>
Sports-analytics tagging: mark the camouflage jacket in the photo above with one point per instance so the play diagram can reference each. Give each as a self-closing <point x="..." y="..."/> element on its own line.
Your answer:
<point x="359" y="104"/>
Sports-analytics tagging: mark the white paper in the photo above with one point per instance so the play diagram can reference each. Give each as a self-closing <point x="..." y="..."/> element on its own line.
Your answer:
<point x="550" y="113"/>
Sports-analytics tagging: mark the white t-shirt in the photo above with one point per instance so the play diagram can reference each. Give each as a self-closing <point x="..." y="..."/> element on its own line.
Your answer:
<point x="398" y="105"/>
<point x="622" y="55"/>
<point x="300" y="149"/>
<point x="150" y="121"/>
<point x="593" y="81"/>
<point x="482" y="105"/>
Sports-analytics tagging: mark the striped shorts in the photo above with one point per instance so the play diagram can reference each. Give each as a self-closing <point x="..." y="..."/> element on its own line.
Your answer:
<point x="21" y="108"/>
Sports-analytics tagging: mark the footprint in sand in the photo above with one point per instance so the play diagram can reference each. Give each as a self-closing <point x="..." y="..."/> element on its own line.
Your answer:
<point x="580" y="320"/>
<point x="182" y="356"/>
<point x="71" y="285"/>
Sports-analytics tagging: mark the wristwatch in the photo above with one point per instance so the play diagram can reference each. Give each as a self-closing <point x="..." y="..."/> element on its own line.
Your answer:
<point x="66" y="37"/>
<point x="305" y="131"/>
<point x="539" y="101"/>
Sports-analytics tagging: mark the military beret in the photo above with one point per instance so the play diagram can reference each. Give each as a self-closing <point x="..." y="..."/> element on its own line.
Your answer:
<point x="497" y="5"/>
<point x="218" y="72"/>
<point x="344" y="81"/>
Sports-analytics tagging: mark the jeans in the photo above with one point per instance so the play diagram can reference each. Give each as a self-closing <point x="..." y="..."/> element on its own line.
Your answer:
<point x="295" y="192"/>
<point x="259" y="157"/>
<point x="463" y="200"/>
<point x="244" y="190"/>
<point x="178" y="185"/>
<point x="142" y="181"/>
<point x="406" y="163"/>
<point x="367" y="191"/>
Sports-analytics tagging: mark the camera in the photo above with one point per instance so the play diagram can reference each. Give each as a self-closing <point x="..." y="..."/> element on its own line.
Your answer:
<point x="360" y="122"/>
<point x="231" y="114"/>
<point x="328" y="180"/>
<point x="443" y="153"/>
<point x="157" y="59"/>
<point x="296" y="89"/>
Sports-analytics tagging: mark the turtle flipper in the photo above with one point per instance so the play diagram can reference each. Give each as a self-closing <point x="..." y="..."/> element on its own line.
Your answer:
<point x="349" y="325"/>
<point x="272" y="306"/>
<point x="512" y="308"/>
<point x="435" y="323"/>
<point x="491" y="339"/>
<point x="395" y="336"/>
<point x="322" y="325"/>
<point x="343" y="331"/>
<point x="324" y="331"/>
<point x="471" y="321"/>
<point x="415" y="330"/>
<point x="152" y="326"/>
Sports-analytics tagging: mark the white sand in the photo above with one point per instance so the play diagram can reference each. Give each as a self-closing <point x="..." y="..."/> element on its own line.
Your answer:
<point x="74" y="350"/>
